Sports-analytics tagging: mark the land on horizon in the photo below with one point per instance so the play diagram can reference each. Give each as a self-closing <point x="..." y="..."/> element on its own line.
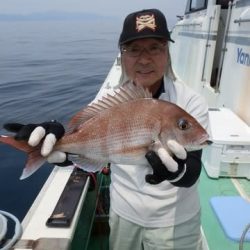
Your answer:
<point x="51" y="15"/>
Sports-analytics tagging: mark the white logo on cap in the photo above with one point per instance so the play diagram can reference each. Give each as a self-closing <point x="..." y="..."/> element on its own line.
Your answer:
<point x="145" y="21"/>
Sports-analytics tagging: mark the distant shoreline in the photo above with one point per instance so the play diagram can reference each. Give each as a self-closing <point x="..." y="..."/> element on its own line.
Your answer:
<point x="63" y="16"/>
<point x="55" y="16"/>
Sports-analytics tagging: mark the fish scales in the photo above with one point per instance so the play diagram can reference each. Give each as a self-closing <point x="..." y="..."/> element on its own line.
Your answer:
<point x="120" y="131"/>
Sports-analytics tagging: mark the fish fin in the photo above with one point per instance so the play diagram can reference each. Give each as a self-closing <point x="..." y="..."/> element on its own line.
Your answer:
<point x="34" y="161"/>
<point x="86" y="164"/>
<point x="123" y="94"/>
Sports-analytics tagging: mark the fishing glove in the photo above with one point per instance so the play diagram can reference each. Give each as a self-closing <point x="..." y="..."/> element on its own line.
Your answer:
<point x="49" y="132"/>
<point x="173" y="168"/>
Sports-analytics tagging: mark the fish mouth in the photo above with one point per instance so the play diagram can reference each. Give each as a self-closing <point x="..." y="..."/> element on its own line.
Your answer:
<point x="199" y="145"/>
<point x="204" y="141"/>
<point x="208" y="142"/>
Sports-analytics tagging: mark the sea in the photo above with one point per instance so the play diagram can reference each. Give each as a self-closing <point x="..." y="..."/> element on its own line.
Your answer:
<point x="49" y="70"/>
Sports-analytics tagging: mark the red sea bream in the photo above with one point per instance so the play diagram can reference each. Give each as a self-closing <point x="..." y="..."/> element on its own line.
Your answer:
<point x="120" y="128"/>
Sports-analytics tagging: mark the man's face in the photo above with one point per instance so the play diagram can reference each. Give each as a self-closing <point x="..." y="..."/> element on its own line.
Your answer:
<point x="145" y="60"/>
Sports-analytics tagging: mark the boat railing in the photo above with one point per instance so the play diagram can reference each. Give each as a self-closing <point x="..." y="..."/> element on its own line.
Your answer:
<point x="207" y="47"/>
<point x="224" y="47"/>
<point x="189" y="24"/>
<point x="245" y="20"/>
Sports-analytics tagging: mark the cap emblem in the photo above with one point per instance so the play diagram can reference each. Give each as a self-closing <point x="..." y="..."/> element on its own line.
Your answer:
<point x="145" y="21"/>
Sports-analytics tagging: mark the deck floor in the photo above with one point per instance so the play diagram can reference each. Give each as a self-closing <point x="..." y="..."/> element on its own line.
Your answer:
<point x="209" y="187"/>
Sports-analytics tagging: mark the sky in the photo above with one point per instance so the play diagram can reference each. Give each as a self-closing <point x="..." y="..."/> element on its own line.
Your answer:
<point x="116" y="8"/>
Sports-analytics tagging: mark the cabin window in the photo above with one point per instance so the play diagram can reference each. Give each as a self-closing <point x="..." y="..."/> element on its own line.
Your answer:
<point x="195" y="5"/>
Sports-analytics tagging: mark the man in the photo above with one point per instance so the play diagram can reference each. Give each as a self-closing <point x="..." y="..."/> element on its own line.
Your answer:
<point x="148" y="211"/>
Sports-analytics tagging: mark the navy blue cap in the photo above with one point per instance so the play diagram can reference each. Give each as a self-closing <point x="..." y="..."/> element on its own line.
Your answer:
<point x="149" y="23"/>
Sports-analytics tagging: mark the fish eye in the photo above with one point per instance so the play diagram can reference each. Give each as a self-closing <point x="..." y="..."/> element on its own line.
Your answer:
<point x="183" y="124"/>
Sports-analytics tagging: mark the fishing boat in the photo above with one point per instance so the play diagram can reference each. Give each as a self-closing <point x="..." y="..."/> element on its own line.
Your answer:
<point x="211" y="54"/>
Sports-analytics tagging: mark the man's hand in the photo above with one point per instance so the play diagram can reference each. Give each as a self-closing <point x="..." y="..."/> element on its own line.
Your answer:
<point x="167" y="166"/>
<point x="47" y="132"/>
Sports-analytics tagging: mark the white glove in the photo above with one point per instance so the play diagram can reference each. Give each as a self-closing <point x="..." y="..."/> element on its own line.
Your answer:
<point x="33" y="133"/>
<point x="166" y="156"/>
<point x="167" y="164"/>
<point x="48" y="144"/>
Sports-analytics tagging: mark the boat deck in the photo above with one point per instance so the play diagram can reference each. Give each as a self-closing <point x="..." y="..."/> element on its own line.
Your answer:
<point x="208" y="188"/>
<point x="92" y="232"/>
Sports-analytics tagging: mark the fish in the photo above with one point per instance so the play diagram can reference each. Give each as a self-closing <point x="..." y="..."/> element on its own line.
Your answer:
<point x="121" y="127"/>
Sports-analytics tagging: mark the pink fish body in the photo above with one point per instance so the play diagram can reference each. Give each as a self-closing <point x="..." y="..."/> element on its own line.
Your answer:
<point x="120" y="128"/>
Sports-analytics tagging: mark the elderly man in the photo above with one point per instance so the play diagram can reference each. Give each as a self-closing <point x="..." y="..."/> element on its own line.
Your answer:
<point x="148" y="211"/>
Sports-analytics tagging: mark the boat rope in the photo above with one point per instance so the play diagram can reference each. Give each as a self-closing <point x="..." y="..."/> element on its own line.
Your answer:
<point x="3" y="229"/>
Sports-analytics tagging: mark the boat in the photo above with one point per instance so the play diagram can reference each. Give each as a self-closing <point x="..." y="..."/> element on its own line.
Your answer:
<point x="211" y="54"/>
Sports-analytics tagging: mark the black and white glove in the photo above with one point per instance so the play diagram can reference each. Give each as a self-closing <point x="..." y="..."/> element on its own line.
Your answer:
<point x="182" y="169"/>
<point x="47" y="132"/>
<point x="167" y="166"/>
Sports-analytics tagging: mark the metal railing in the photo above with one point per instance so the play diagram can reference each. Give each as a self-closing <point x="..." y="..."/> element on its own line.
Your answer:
<point x="224" y="48"/>
<point x="239" y="21"/>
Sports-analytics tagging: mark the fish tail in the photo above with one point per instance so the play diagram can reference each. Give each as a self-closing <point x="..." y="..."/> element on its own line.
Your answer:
<point x="20" y="145"/>
<point x="35" y="159"/>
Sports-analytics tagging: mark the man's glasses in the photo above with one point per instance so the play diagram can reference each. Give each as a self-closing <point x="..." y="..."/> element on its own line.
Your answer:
<point x="135" y="51"/>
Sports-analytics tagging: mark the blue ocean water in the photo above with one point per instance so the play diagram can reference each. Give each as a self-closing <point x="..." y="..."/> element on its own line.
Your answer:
<point x="48" y="70"/>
